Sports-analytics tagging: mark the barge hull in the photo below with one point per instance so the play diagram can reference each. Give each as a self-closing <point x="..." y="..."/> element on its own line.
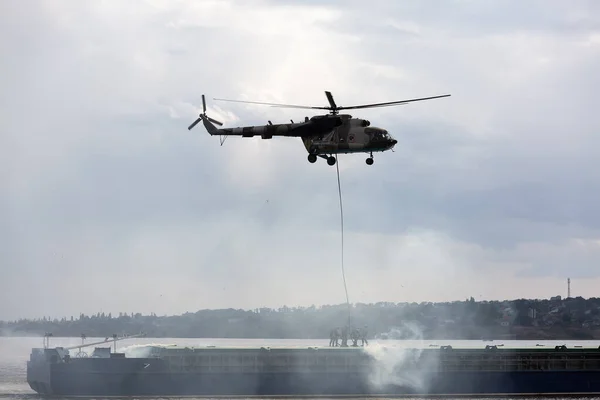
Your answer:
<point x="171" y="371"/>
<point x="68" y="380"/>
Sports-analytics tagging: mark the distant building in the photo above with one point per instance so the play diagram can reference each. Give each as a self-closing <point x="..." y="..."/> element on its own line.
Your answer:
<point x="508" y="316"/>
<point x="556" y="298"/>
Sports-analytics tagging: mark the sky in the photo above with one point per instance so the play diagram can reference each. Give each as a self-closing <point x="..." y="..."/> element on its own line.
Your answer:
<point x="108" y="203"/>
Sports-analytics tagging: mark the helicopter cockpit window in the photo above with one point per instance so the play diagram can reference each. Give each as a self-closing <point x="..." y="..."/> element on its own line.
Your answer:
<point x="377" y="133"/>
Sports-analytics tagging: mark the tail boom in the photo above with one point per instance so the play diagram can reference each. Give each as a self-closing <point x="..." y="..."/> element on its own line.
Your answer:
<point x="266" y="131"/>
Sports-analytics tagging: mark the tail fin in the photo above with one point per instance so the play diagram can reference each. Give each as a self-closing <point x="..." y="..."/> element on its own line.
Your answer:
<point x="213" y="130"/>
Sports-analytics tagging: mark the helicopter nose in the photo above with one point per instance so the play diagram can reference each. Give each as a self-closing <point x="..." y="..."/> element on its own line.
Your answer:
<point x="394" y="141"/>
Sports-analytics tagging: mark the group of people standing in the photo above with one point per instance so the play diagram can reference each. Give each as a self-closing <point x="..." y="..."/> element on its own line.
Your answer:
<point x="355" y="334"/>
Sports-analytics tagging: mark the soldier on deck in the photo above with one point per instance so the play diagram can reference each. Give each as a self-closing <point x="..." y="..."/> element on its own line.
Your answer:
<point x="334" y="336"/>
<point x="345" y="336"/>
<point x="354" y="335"/>
<point x="363" y="336"/>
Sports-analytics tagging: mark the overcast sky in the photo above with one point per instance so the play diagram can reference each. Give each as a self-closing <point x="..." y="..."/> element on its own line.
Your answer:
<point x="109" y="203"/>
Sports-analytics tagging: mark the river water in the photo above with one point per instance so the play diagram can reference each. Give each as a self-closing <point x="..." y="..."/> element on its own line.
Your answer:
<point x="14" y="352"/>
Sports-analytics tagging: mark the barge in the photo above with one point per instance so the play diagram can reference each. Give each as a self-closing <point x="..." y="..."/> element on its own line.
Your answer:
<point x="173" y="371"/>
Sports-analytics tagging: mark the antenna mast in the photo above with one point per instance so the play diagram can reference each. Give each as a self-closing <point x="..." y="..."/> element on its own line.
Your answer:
<point x="568" y="288"/>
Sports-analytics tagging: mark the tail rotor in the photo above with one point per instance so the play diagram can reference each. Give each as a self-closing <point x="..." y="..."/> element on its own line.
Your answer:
<point x="202" y="116"/>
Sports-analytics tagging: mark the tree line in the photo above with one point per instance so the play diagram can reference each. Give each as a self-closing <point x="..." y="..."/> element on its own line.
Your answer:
<point x="467" y="319"/>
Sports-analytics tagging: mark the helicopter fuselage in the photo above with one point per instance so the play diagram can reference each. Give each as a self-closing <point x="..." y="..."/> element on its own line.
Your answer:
<point x="322" y="135"/>
<point x="354" y="135"/>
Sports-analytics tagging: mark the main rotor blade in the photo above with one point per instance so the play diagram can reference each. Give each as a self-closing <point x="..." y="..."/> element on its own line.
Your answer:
<point x="203" y="105"/>
<point x="274" y="104"/>
<point x="330" y="99"/>
<point x="333" y="105"/>
<point x="390" y="103"/>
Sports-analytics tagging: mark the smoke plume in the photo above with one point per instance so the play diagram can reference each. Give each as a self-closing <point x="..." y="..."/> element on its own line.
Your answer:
<point x="401" y="364"/>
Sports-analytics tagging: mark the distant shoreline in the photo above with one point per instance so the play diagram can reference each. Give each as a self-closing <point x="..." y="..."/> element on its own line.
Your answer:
<point x="522" y="319"/>
<point x="522" y="333"/>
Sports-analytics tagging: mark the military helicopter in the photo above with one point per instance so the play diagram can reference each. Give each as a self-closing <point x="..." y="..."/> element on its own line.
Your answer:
<point x="322" y="135"/>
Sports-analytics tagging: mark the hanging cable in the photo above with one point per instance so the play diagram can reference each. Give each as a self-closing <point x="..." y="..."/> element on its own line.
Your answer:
<point x="342" y="230"/>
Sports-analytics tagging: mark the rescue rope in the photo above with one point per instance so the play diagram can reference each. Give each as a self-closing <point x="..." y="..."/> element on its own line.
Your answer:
<point x="342" y="230"/>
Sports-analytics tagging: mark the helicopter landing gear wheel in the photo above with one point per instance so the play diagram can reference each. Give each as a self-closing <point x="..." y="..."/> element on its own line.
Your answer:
<point x="331" y="160"/>
<point x="369" y="161"/>
<point x="312" y="158"/>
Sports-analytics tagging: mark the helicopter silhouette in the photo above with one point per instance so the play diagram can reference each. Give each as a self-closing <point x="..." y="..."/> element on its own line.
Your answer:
<point x="323" y="135"/>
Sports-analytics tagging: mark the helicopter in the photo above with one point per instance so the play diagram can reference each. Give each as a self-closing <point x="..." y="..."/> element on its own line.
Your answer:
<point x="322" y="135"/>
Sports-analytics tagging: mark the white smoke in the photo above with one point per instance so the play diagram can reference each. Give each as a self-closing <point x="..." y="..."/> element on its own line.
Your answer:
<point x="141" y="350"/>
<point x="400" y="364"/>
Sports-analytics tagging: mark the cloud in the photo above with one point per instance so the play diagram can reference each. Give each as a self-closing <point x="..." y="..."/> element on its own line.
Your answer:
<point x="109" y="202"/>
